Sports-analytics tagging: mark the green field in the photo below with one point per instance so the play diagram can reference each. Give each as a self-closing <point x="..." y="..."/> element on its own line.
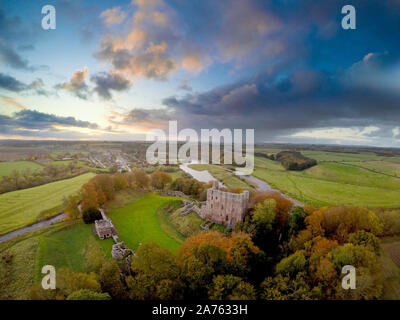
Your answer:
<point x="24" y="207"/>
<point x="140" y="222"/>
<point x="69" y="244"/>
<point x="339" y="178"/>
<point x="7" y="168"/>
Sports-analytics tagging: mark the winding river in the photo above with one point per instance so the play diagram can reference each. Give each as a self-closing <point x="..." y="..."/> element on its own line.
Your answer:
<point x="205" y="176"/>
<point x="202" y="176"/>
<point x="37" y="225"/>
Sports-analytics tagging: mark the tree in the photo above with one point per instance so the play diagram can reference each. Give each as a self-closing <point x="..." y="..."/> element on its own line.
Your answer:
<point x="89" y="196"/>
<point x="91" y="215"/>
<point x="105" y="183"/>
<point x="284" y="288"/>
<point x="85" y="294"/>
<point x="71" y="208"/>
<point x="200" y="266"/>
<point x="150" y="265"/>
<point x="110" y="279"/>
<point x="296" y="219"/>
<point x="160" y="180"/>
<point x="141" y="178"/>
<point x="120" y="182"/>
<point x="367" y="239"/>
<point x="292" y="265"/>
<point x="229" y="287"/>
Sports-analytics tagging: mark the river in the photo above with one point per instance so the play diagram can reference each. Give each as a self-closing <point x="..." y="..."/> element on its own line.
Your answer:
<point x="37" y="225"/>
<point x="205" y="176"/>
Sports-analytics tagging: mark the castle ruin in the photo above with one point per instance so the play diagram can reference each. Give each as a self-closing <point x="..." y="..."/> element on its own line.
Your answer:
<point x="224" y="208"/>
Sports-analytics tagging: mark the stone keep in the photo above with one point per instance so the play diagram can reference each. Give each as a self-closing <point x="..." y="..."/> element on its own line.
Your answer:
<point x="224" y="207"/>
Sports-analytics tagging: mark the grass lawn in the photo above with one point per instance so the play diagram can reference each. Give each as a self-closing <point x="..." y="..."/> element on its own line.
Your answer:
<point x="139" y="222"/>
<point x="69" y="247"/>
<point x="24" y="207"/>
<point x="8" y="167"/>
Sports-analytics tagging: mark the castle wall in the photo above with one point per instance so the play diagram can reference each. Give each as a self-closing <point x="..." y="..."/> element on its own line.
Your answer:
<point x="225" y="208"/>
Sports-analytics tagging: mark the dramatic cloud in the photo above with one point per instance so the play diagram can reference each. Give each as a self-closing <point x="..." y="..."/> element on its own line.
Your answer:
<point x="105" y="82"/>
<point x="77" y="85"/>
<point x="113" y="16"/>
<point x="299" y="104"/>
<point x="12" y="31"/>
<point x="34" y="123"/>
<point x="143" y="51"/>
<point x="9" y="83"/>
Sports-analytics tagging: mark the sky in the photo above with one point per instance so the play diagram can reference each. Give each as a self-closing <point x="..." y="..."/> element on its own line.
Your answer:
<point x="113" y="70"/>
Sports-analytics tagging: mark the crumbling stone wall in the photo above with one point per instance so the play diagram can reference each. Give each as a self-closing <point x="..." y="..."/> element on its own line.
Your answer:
<point x="171" y="193"/>
<point x="224" y="208"/>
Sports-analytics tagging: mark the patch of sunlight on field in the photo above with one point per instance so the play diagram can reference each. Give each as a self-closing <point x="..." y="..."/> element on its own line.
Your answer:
<point x="23" y="207"/>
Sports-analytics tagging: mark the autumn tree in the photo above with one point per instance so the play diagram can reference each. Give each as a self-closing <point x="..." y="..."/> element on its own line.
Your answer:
<point x="151" y="266"/>
<point x="89" y="197"/>
<point x="71" y="208"/>
<point x="160" y="180"/>
<point x="229" y="287"/>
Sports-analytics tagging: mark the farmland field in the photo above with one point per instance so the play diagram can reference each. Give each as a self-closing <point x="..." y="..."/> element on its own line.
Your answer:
<point x="139" y="222"/>
<point x="8" y="167"/>
<point x="23" y="207"/>
<point x="339" y="178"/>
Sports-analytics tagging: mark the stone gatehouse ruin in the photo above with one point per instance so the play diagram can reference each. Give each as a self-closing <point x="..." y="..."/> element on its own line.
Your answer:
<point x="224" y="208"/>
<point x="105" y="229"/>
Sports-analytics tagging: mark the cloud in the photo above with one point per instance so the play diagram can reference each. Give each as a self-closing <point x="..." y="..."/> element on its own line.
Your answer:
<point x="113" y="16"/>
<point x="146" y="50"/>
<point x="279" y="104"/>
<point x="10" y="83"/>
<point x="12" y="33"/>
<point x="9" y="101"/>
<point x="9" y="57"/>
<point x="34" y="123"/>
<point x="185" y="86"/>
<point x="77" y="85"/>
<point x="140" y="119"/>
<point x="349" y="134"/>
<point x="105" y="82"/>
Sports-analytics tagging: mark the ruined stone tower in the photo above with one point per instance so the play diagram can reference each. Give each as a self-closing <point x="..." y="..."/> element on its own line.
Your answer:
<point x="224" y="207"/>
